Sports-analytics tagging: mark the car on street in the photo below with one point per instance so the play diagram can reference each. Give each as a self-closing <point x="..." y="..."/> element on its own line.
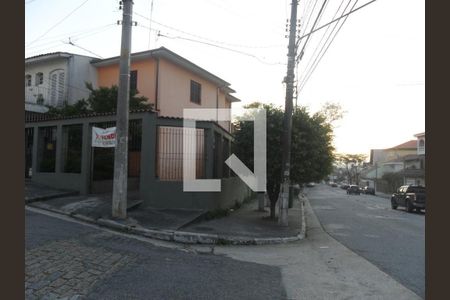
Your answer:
<point x="344" y="186"/>
<point x="353" y="189"/>
<point x="310" y="184"/>
<point x="368" y="190"/>
<point x="409" y="196"/>
<point x="333" y="184"/>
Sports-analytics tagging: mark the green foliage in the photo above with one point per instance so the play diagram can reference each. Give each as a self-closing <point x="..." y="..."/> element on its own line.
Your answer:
<point x="393" y="181"/>
<point x="103" y="99"/>
<point x="311" y="152"/>
<point x="332" y="112"/>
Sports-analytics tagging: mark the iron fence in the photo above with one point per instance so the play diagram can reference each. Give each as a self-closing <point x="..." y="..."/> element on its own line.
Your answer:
<point x="169" y="154"/>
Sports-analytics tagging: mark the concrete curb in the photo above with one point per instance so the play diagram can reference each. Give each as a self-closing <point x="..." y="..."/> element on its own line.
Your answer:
<point x="186" y="237"/>
<point x="47" y="197"/>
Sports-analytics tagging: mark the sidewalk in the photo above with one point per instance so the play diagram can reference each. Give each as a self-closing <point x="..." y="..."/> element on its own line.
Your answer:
<point x="319" y="267"/>
<point x="244" y="226"/>
<point x="38" y="192"/>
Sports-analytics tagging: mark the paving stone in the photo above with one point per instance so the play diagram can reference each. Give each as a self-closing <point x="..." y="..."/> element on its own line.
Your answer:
<point x="68" y="269"/>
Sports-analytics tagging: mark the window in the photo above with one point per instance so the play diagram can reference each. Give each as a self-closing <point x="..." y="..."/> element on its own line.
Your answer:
<point x="40" y="99"/>
<point x="133" y="80"/>
<point x="39" y="79"/>
<point x="421" y="143"/>
<point x="196" y="91"/>
<point x="28" y="80"/>
<point x="57" y="87"/>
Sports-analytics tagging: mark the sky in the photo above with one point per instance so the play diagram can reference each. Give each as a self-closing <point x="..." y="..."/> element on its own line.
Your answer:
<point x="374" y="67"/>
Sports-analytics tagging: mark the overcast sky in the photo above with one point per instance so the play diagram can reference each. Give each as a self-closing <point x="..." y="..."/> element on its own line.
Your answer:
<point x="375" y="67"/>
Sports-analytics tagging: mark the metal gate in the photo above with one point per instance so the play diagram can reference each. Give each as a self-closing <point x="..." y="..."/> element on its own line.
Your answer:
<point x="29" y="135"/>
<point x="102" y="160"/>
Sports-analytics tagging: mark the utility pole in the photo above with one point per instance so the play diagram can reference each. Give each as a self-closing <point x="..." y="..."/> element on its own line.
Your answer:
<point x="287" y="121"/>
<point x="119" y="197"/>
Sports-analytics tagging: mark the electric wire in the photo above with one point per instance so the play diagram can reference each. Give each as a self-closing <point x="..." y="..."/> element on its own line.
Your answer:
<point x="205" y="38"/>
<point x="224" y="48"/>
<point x="323" y="36"/>
<point x="314" y="25"/>
<point x="332" y="21"/>
<point x="59" y="22"/>
<point x="323" y="53"/>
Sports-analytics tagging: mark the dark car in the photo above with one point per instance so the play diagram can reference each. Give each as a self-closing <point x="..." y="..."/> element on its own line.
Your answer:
<point x="344" y="186"/>
<point x="368" y="190"/>
<point x="353" y="189"/>
<point x="334" y="184"/>
<point x="410" y="196"/>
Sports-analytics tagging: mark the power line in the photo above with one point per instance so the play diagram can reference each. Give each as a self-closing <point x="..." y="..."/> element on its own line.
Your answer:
<point x="323" y="36"/>
<point x="221" y="47"/>
<point x="59" y="22"/>
<point x="315" y="66"/>
<point x="314" y="25"/>
<point x="335" y="20"/>
<point x="77" y="32"/>
<point x="205" y="38"/>
<point x="81" y="35"/>
<point x="71" y="43"/>
<point x="150" y="25"/>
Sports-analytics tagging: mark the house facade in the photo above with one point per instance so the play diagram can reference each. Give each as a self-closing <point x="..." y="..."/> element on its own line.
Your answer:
<point x="414" y="171"/>
<point x="407" y="160"/>
<point x="170" y="82"/>
<point x="59" y="152"/>
<point x="54" y="79"/>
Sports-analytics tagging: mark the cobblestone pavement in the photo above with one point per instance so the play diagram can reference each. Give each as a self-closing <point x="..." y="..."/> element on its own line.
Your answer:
<point x="65" y="269"/>
<point x="67" y="260"/>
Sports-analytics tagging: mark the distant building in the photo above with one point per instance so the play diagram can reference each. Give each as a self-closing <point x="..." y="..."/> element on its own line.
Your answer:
<point x="407" y="159"/>
<point x="414" y="165"/>
<point x="57" y="78"/>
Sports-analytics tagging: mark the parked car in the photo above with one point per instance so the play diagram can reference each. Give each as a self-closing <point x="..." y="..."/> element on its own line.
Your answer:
<point x="344" y="186"/>
<point x="368" y="190"/>
<point x="410" y="196"/>
<point x="334" y="184"/>
<point x="353" y="189"/>
<point x="310" y="184"/>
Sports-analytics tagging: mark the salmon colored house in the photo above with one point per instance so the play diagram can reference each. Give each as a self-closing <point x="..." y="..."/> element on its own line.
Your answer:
<point x="170" y="82"/>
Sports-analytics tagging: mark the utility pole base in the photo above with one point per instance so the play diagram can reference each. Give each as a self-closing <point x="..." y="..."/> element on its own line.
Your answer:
<point x="284" y="206"/>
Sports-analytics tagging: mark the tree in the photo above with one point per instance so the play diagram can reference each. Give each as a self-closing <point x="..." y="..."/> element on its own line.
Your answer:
<point x="103" y="99"/>
<point x="332" y="112"/>
<point x="393" y="181"/>
<point x="311" y="154"/>
<point x="352" y="164"/>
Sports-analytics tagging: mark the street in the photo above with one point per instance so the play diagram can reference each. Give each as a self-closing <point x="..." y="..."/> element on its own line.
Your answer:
<point x="393" y="240"/>
<point x="64" y="258"/>
<point x="68" y="259"/>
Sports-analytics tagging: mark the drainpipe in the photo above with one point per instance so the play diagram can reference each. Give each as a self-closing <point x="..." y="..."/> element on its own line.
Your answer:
<point x="217" y="104"/>
<point x="156" y="84"/>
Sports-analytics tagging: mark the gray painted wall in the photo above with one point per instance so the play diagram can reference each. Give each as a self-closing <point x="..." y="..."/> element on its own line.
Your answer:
<point x="154" y="193"/>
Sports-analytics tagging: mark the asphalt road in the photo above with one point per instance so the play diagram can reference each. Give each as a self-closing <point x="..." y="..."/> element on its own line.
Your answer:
<point x="104" y="265"/>
<point x="393" y="240"/>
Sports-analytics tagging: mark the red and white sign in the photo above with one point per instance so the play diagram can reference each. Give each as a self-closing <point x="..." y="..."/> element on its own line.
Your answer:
<point x="104" y="138"/>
